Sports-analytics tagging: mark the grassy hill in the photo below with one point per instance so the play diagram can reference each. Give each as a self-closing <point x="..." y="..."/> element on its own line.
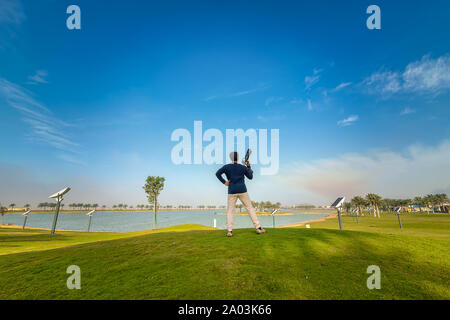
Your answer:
<point x="200" y="263"/>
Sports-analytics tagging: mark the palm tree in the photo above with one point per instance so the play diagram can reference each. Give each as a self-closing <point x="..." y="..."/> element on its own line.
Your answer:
<point x="239" y="206"/>
<point x="347" y="207"/>
<point x="27" y="206"/>
<point x="441" y="199"/>
<point x="359" y="202"/>
<point x="12" y="205"/>
<point x="431" y="201"/>
<point x="374" y="201"/>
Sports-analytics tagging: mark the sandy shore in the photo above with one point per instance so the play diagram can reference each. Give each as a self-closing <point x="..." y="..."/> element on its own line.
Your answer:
<point x="277" y="214"/>
<point x="331" y="216"/>
<point x="14" y="226"/>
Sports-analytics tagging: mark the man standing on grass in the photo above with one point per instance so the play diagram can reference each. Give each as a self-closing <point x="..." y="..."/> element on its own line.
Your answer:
<point x="236" y="174"/>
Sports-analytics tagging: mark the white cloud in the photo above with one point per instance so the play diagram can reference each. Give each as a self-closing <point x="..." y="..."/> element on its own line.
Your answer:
<point x="262" y="87"/>
<point x="385" y="82"/>
<point x="341" y="86"/>
<point x="11" y="12"/>
<point x="428" y="74"/>
<point x="243" y="93"/>
<point x="407" y="110"/>
<point x="39" y="77"/>
<point x="348" y="121"/>
<point x="424" y="76"/>
<point x="418" y="171"/>
<point x="209" y="98"/>
<point x="313" y="79"/>
<point x="44" y="126"/>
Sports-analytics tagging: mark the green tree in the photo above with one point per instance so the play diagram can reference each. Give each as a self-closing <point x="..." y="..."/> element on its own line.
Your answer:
<point x="27" y="206"/>
<point x="153" y="187"/>
<point x="431" y="201"/>
<point x="347" y="207"/>
<point x="441" y="199"/>
<point x="359" y="203"/>
<point x="418" y="201"/>
<point x="12" y="205"/>
<point x="3" y="211"/>
<point x="374" y="201"/>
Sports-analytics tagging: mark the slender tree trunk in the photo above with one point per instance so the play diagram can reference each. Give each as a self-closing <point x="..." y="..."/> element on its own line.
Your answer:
<point x="154" y="210"/>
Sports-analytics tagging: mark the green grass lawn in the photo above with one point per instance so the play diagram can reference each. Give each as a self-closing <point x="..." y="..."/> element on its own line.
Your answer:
<point x="286" y="263"/>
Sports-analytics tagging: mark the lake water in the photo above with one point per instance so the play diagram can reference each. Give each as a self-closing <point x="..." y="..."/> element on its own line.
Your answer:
<point x="136" y="221"/>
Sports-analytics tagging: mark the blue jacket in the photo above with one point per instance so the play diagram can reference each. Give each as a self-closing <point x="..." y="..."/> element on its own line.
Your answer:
<point x="235" y="173"/>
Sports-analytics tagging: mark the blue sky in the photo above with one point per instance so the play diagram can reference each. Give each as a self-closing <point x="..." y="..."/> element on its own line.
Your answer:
<point x="358" y="110"/>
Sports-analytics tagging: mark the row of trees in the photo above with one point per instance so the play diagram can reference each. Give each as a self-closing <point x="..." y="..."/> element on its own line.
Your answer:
<point x="73" y="206"/>
<point x="86" y="206"/>
<point x="13" y="205"/>
<point x="375" y="203"/>
<point x="265" y="205"/>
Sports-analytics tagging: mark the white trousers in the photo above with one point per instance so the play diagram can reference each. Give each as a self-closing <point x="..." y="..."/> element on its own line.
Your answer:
<point x="245" y="199"/>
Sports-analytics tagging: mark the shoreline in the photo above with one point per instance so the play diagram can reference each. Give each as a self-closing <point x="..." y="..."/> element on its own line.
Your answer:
<point x="15" y="226"/>
<point x="277" y="214"/>
<point x="300" y="224"/>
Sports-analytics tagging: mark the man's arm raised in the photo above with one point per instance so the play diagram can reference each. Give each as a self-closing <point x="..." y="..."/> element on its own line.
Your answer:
<point x="249" y="172"/>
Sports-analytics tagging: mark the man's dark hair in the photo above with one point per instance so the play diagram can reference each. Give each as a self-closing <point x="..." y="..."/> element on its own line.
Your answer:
<point x="234" y="156"/>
